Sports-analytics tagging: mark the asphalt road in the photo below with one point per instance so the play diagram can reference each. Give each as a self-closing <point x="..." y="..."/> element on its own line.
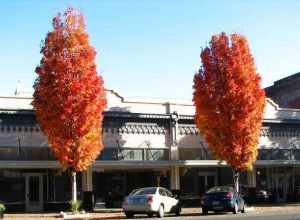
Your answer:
<point x="247" y="216"/>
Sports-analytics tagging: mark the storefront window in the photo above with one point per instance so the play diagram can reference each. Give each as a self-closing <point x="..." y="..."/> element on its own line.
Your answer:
<point x="296" y="154"/>
<point x="134" y="154"/>
<point x="281" y="154"/>
<point x="130" y="154"/>
<point x="264" y="154"/>
<point x="194" y="154"/>
<point x="157" y="154"/>
<point x="261" y="178"/>
<point x="297" y="182"/>
<point x="26" y="153"/>
<point x="109" y="154"/>
<point x="59" y="186"/>
<point x="196" y="181"/>
<point x="112" y="186"/>
<point x="278" y="154"/>
<point x="189" y="183"/>
<point x="12" y="184"/>
<point x="9" y="153"/>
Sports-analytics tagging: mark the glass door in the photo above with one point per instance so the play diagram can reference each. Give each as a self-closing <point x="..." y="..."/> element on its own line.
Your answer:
<point x="211" y="181"/>
<point x="206" y="181"/>
<point x="34" y="192"/>
<point x="281" y="187"/>
<point x="201" y="185"/>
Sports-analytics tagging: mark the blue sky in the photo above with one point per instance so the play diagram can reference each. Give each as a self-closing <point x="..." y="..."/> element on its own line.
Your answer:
<point x="150" y="48"/>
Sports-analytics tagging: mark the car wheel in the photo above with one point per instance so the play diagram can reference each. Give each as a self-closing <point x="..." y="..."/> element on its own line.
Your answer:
<point x="129" y="214"/>
<point x="204" y="211"/>
<point x="235" y="208"/>
<point x="243" y="209"/>
<point x="150" y="215"/>
<point x="178" y="211"/>
<point x="161" y="212"/>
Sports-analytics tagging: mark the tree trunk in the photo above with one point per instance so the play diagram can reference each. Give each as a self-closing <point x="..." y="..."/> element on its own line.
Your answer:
<point x="74" y="187"/>
<point x="236" y="176"/>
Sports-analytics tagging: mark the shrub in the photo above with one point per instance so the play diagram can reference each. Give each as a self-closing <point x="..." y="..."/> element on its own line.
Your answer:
<point x="2" y="207"/>
<point x="75" y="206"/>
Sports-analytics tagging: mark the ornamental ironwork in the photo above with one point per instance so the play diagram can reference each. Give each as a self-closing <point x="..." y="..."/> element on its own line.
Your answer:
<point x="136" y="128"/>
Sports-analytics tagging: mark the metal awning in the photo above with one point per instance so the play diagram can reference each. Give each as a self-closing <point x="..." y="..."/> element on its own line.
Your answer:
<point x="6" y="164"/>
<point x="135" y="164"/>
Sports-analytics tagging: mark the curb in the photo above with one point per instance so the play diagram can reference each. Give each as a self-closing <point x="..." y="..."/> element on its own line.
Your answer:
<point x="108" y="210"/>
<point x="249" y="209"/>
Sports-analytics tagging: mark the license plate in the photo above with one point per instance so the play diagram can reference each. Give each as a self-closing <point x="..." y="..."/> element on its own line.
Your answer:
<point x="139" y="201"/>
<point x="218" y="207"/>
<point x="215" y="203"/>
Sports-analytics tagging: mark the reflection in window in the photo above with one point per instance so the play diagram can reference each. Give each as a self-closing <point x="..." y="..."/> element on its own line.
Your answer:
<point x="131" y="154"/>
<point x="296" y="154"/>
<point x="156" y="154"/>
<point x="277" y="154"/>
<point x="194" y="154"/>
<point x="281" y="154"/>
<point x="134" y="154"/>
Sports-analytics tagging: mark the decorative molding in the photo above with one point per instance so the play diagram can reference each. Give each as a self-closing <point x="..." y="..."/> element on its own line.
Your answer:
<point x="16" y="128"/>
<point x="188" y="129"/>
<point x="135" y="128"/>
<point x="153" y="128"/>
<point x="271" y="132"/>
<point x="125" y="114"/>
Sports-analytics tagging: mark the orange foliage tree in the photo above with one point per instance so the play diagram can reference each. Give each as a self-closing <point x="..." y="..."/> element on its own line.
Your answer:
<point x="69" y="96"/>
<point x="229" y="101"/>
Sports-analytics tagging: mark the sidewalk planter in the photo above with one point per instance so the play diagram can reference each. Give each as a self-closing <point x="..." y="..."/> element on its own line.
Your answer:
<point x="2" y="209"/>
<point x="71" y="215"/>
<point x="75" y="212"/>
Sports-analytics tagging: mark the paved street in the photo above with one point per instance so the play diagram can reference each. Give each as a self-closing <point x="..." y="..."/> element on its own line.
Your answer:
<point x="247" y="216"/>
<point x="290" y="212"/>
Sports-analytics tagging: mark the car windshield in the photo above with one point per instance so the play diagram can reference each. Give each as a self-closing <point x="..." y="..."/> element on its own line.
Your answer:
<point x="220" y="189"/>
<point x="143" y="191"/>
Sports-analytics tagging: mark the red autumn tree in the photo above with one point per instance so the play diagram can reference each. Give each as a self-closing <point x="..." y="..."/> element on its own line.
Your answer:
<point x="69" y="96"/>
<point x="229" y="101"/>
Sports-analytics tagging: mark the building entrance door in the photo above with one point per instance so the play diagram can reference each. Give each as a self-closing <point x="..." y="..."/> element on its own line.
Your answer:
<point x="206" y="181"/>
<point x="281" y="182"/>
<point x="34" y="192"/>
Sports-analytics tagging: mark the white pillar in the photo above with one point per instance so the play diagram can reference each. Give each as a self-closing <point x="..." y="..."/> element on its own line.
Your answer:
<point x="174" y="154"/>
<point x="175" y="178"/>
<point x="251" y="178"/>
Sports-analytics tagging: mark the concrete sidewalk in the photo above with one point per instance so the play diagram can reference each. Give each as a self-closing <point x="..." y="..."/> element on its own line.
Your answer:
<point x="100" y="214"/>
<point x="279" y="207"/>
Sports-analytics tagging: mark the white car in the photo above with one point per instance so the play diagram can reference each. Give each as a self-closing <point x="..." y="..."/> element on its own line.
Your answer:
<point x="151" y="200"/>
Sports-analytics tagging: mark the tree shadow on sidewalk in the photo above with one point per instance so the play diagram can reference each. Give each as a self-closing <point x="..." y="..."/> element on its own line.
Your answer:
<point x="145" y="216"/>
<point x="112" y="217"/>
